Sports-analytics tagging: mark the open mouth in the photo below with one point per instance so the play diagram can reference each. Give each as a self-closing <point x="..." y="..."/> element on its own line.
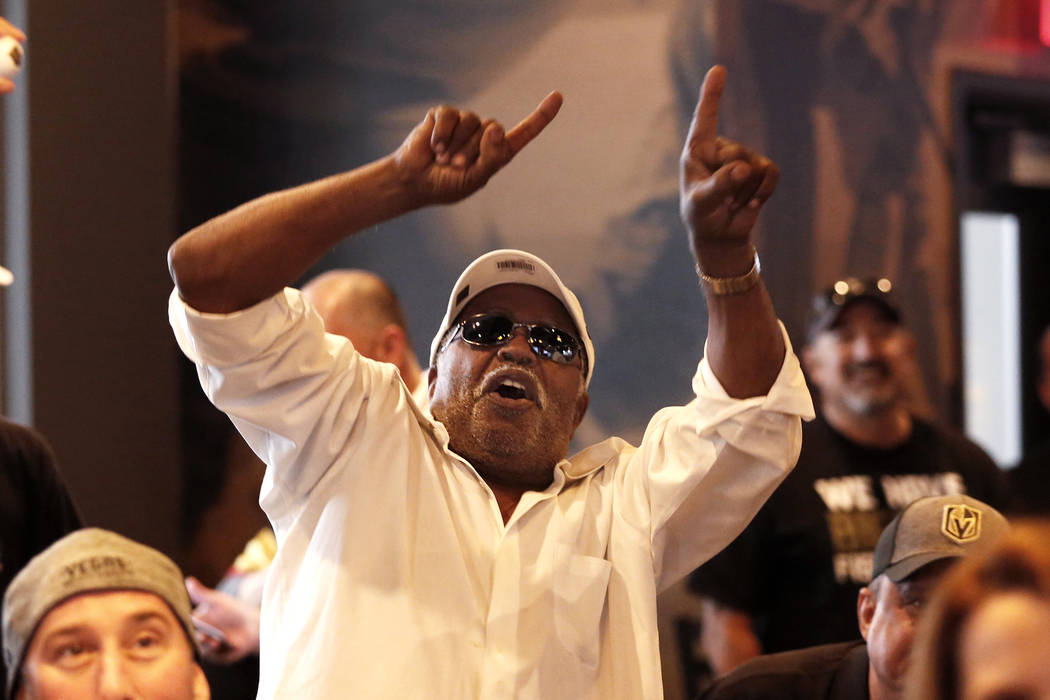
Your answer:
<point x="510" y="389"/>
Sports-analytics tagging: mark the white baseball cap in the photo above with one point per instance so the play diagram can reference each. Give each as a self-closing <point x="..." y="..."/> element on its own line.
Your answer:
<point x="508" y="266"/>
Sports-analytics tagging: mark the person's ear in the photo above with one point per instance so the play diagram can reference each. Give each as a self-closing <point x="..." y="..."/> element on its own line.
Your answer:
<point x="432" y="375"/>
<point x="1044" y="388"/>
<point x="391" y="344"/>
<point x="582" y="402"/>
<point x="909" y="344"/>
<point x="866" y="604"/>
<point x="201" y="690"/>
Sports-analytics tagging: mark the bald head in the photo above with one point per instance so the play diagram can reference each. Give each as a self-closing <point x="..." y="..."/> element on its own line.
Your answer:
<point x="359" y="305"/>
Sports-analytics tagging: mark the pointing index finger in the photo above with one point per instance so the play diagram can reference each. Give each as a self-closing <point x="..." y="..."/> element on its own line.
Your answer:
<point x="705" y="120"/>
<point x="531" y="126"/>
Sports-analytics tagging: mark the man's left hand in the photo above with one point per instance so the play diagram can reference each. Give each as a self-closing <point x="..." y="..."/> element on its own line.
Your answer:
<point x="723" y="184"/>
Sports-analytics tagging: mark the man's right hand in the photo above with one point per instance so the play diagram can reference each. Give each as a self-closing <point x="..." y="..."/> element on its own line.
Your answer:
<point x="250" y="253"/>
<point x="452" y="153"/>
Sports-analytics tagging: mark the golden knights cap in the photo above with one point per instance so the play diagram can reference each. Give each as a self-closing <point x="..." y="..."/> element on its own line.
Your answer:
<point x="934" y="528"/>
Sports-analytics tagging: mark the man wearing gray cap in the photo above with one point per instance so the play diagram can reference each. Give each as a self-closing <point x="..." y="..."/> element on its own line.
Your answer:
<point x="458" y="553"/>
<point x="97" y="615"/>
<point x="911" y="556"/>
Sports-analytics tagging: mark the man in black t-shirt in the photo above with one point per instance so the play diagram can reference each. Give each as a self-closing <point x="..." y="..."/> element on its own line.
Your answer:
<point x="792" y="577"/>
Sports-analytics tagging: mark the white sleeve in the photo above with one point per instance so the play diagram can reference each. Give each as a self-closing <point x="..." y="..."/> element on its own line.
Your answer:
<point x="294" y="392"/>
<point x="703" y="470"/>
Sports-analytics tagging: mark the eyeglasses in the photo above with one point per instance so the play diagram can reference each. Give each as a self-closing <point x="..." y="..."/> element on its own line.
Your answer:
<point x="486" y="330"/>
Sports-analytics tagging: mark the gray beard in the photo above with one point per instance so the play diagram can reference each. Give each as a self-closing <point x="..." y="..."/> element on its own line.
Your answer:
<point x="520" y="451"/>
<point x="871" y="405"/>
<point x="516" y="457"/>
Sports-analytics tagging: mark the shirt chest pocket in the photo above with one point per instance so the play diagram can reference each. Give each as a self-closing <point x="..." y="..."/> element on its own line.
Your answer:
<point x="580" y="584"/>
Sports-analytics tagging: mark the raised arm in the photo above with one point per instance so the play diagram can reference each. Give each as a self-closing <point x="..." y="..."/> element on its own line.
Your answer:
<point x="723" y="188"/>
<point x="255" y="250"/>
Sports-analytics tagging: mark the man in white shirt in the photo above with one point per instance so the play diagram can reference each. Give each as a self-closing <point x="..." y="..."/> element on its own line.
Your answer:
<point x="458" y="553"/>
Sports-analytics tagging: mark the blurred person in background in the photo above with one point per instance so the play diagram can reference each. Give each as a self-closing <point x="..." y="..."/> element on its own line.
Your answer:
<point x="913" y="554"/>
<point x="792" y="578"/>
<point x="35" y="505"/>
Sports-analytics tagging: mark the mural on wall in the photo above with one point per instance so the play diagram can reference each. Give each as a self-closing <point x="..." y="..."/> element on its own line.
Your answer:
<point x="843" y="94"/>
<point x="848" y="97"/>
<point x="596" y="195"/>
<point x="837" y="92"/>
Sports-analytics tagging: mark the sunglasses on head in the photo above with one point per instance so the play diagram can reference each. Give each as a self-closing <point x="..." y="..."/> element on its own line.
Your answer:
<point x="486" y="330"/>
<point x="845" y="291"/>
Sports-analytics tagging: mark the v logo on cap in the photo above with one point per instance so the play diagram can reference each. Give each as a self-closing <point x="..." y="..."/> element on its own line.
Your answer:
<point x="961" y="523"/>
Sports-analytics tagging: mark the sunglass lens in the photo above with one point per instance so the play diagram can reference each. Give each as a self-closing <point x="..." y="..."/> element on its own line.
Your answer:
<point x="552" y="344"/>
<point x="487" y="329"/>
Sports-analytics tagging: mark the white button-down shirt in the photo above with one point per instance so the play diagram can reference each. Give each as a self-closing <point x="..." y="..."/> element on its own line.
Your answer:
<point x="396" y="576"/>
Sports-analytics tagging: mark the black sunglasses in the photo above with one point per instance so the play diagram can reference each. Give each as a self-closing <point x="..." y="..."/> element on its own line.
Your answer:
<point x="486" y="330"/>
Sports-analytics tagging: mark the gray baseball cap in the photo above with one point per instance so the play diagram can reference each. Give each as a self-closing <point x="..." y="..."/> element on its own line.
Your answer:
<point x="934" y="528"/>
<point x="85" y="561"/>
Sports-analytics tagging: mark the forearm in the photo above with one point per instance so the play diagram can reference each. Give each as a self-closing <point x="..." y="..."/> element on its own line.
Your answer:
<point x="250" y="253"/>
<point x="723" y="187"/>
<point x="745" y="347"/>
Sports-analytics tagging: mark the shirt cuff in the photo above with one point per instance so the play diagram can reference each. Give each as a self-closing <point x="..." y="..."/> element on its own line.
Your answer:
<point x="789" y="393"/>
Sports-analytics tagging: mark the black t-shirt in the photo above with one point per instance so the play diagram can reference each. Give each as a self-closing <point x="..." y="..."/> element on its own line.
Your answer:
<point x="798" y="566"/>
<point x="832" y="672"/>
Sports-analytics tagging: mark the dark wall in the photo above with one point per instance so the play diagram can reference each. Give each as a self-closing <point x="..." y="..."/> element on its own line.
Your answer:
<point x="101" y="216"/>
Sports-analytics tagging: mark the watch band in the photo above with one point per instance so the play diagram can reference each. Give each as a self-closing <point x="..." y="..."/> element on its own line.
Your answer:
<point x="732" y="285"/>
